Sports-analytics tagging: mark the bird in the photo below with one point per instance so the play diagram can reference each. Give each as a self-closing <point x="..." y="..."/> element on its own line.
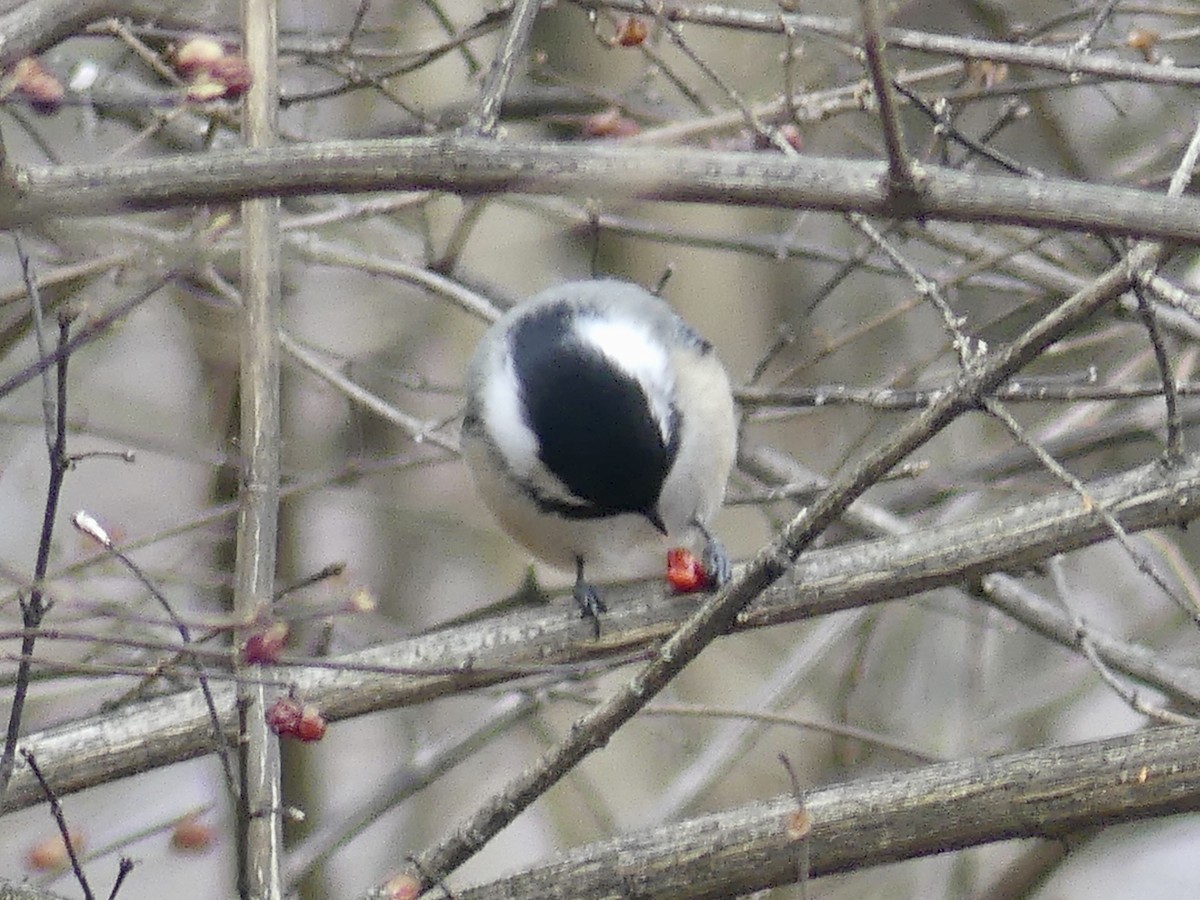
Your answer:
<point x="599" y="426"/>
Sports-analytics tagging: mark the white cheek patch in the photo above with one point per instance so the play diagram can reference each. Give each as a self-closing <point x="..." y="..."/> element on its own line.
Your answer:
<point x="634" y="350"/>
<point x="504" y="422"/>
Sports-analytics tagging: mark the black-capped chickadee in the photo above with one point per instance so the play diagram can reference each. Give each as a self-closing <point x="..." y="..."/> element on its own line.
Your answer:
<point x="599" y="426"/>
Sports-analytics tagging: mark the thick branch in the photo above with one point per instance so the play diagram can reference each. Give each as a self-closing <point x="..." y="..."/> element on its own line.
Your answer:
<point x="480" y="166"/>
<point x="1037" y="793"/>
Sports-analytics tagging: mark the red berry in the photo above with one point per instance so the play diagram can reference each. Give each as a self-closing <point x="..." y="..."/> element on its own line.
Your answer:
<point x="311" y="726"/>
<point x="50" y="853"/>
<point x="684" y="572"/>
<point x="190" y="835"/>
<point x="287" y="717"/>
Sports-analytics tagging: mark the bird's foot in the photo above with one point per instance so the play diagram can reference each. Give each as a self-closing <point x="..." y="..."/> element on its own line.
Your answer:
<point x="717" y="568"/>
<point x="588" y="599"/>
<point x="716" y="563"/>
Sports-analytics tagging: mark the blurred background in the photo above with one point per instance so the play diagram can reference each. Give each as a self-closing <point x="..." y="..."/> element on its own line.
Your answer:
<point x="790" y="300"/>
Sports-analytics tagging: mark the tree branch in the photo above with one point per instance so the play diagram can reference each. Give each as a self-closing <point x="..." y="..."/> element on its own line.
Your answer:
<point x="605" y="172"/>
<point x="168" y="729"/>
<point x="1037" y="793"/>
<point x="260" y="824"/>
<point x="1050" y="58"/>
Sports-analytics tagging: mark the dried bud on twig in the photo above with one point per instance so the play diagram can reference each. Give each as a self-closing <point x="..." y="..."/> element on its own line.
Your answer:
<point x="28" y="79"/>
<point x="212" y="71"/>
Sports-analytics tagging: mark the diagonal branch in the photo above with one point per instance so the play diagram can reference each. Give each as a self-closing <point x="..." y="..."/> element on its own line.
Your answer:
<point x="169" y="729"/>
<point x="720" y="612"/>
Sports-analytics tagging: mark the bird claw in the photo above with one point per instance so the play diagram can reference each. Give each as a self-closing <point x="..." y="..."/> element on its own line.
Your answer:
<point x="716" y="563"/>
<point x="590" y="604"/>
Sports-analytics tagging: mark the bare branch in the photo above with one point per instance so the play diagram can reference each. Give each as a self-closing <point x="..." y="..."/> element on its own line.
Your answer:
<point x="161" y="731"/>
<point x="1037" y="793"/>
<point x="604" y="171"/>
<point x="846" y="29"/>
<point x="901" y="177"/>
<point x="259" y="813"/>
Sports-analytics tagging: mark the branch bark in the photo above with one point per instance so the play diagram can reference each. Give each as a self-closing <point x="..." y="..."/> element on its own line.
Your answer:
<point x="168" y="729"/>
<point x="473" y="166"/>
<point x="260" y="807"/>
<point x="1048" y="792"/>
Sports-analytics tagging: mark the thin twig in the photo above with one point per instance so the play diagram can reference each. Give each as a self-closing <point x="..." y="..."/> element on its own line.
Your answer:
<point x="483" y="118"/>
<point x="1126" y="692"/>
<point x="943" y="125"/>
<point x="1149" y="317"/>
<point x="60" y="819"/>
<point x="92" y="330"/>
<point x="1052" y="465"/>
<point x="752" y="119"/>
<point x="39" y="331"/>
<point x="1180" y="178"/>
<point x="418" y="430"/>
<point x="1173" y="295"/>
<point x="1034" y="390"/>
<point x="91" y="527"/>
<point x="901" y="177"/>
<point x="124" y="867"/>
<point x="967" y="348"/>
<point x="35" y="607"/>
<point x="1103" y="14"/>
<point x="801" y="825"/>
<point x="838" y="729"/>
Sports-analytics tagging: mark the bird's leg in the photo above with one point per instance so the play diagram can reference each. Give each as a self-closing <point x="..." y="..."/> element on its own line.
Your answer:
<point x="714" y="559"/>
<point x="588" y="598"/>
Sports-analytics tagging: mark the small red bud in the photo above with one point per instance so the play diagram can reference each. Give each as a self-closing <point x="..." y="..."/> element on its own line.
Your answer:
<point x="233" y="72"/>
<point x="43" y="91"/>
<point x="266" y="645"/>
<point x="288" y="718"/>
<point x="632" y="32"/>
<point x="195" y="56"/>
<point x="402" y="887"/>
<point x="609" y="124"/>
